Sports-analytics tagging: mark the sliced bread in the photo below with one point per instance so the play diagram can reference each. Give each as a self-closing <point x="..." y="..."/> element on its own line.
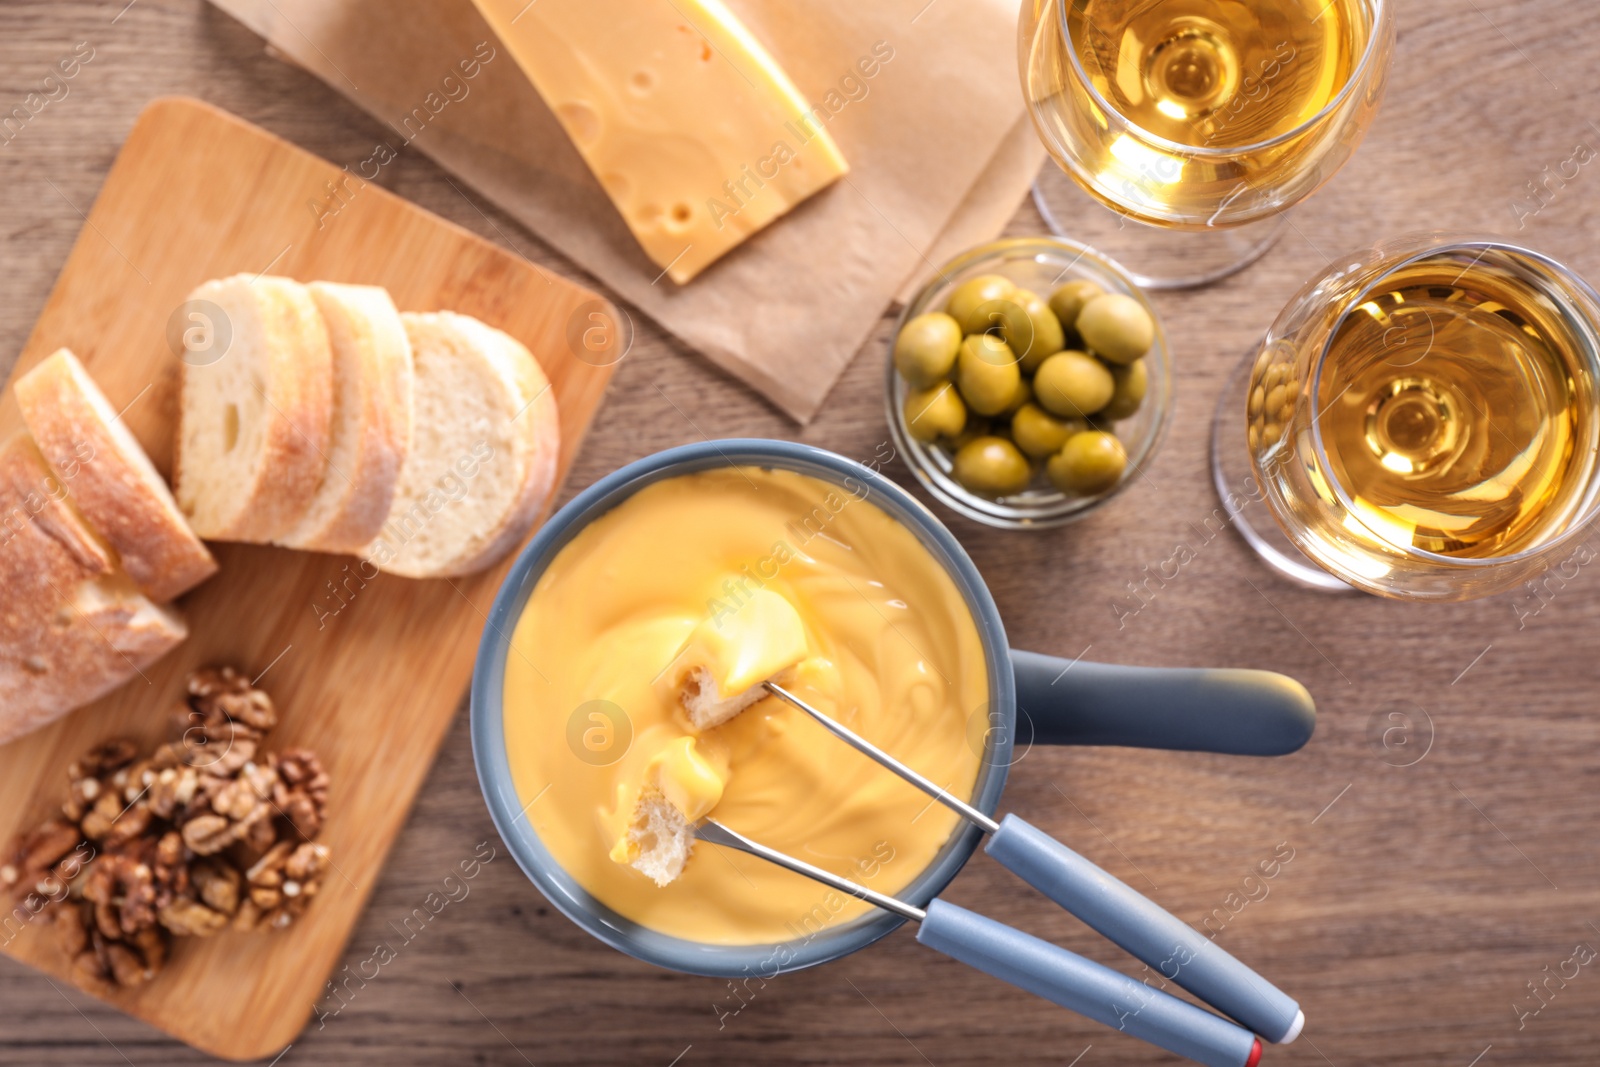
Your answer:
<point x="73" y="626"/>
<point x="254" y="421"/>
<point x="111" y="480"/>
<point x="372" y="394"/>
<point x="539" y="424"/>
<point x="483" y="453"/>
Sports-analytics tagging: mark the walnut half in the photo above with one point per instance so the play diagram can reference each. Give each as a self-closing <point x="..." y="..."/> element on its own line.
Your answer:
<point x="98" y="959"/>
<point x="282" y="884"/>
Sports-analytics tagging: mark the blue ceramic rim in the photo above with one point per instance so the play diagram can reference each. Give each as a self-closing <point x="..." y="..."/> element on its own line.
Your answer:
<point x="488" y="735"/>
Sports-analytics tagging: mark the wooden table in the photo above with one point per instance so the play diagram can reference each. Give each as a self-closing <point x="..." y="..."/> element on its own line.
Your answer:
<point x="1442" y="859"/>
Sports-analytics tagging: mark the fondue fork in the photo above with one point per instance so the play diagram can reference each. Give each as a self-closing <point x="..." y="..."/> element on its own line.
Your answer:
<point x="1027" y="962"/>
<point x="1107" y="905"/>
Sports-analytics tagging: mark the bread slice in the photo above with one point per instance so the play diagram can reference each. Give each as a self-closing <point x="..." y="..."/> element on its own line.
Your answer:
<point x="372" y="389"/>
<point x="663" y="837"/>
<point x="483" y="453"/>
<point x="73" y="626"/>
<point x="539" y="423"/>
<point x="254" y="421"/>
<point x="111" y="480"/>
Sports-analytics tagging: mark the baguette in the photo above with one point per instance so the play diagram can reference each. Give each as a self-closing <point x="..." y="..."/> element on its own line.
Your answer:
<point x="111" y="480"/>
<point x="483" y="456"/>
<point x="73" y="626"/>
<point x="372" y="410"/>
<point x="254" y="423"/>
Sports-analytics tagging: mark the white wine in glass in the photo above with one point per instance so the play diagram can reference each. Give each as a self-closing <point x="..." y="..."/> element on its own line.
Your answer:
<point x="1424" y="421"/>
<point x="1196" y="115"/>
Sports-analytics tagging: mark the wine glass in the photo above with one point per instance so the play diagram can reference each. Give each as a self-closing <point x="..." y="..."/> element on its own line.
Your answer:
<point x="1422" y="421"/>
<point x="1197" y="123"/>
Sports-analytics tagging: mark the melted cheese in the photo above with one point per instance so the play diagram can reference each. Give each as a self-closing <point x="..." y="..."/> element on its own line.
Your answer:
<point x="892" y="651"/>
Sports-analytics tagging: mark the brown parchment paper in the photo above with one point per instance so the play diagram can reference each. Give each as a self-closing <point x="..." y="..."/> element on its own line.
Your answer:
<point x="939" y="148"/>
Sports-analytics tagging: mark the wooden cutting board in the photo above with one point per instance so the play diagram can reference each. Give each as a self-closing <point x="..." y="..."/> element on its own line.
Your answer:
<point x="366" y="672"/>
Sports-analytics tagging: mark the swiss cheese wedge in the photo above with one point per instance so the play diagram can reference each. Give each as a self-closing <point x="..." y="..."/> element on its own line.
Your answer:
<point x="697" y="134"/>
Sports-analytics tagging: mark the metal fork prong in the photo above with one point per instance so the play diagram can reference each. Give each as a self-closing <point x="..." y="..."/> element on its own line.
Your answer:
<point x="715" y="833"/>
<point x="873" y="752"/>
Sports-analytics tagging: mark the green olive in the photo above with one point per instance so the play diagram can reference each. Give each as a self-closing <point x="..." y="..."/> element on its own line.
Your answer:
<point x="987" y="374"/>
<point x="1001" y="318"/>
<point x="992" y="466"/>
<point x="1088" y="463"/>
<point x="1039" y="433"/>
<point x="1030" y="328"/>
<point x="1116" y="328"/>
<point x="1068" y="300"/>
<point x="967" y="300"/>
<point x="925" y="349"/>
<point x="934" y="413"/>
<point x="1073" y="384"/>
<point x="1132" y="382"/>
<point x="1007" y="317"/>
<point x="1049" y="336"/>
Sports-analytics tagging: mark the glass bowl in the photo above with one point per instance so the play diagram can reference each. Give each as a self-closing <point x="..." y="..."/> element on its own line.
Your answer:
<point x="1041" y="264"/>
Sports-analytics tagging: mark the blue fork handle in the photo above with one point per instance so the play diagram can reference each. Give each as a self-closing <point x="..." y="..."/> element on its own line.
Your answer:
<point x="1086" y="987"/>
<point x="1237" y="712"/>
<point x="1145" y="930"/>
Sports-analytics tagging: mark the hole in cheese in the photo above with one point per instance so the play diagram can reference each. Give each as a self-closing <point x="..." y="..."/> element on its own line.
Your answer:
<point x="230" y="427"/>
<point x="581" y="120"/>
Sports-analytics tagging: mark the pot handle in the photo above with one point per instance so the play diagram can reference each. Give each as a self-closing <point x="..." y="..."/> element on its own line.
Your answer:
<point x="1234" y="712"/>
<point x="1091" y="989"/>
